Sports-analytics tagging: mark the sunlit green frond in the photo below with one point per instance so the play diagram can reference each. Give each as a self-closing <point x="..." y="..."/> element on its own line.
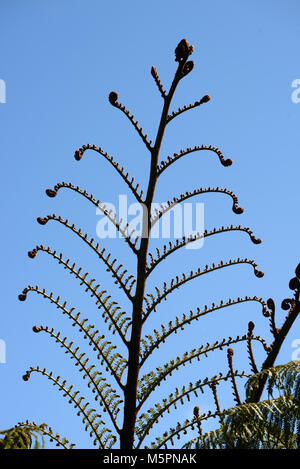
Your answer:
<point x="150" y="381"/>
<point x="150" y="342"/>
<point x="118" y="320"/>
<point x="101" y="389"/>
<point x="45" y="430"/>
<point x="90" y="418"/>
<point x="113" y="362"/>
<point x="146" y="420"/>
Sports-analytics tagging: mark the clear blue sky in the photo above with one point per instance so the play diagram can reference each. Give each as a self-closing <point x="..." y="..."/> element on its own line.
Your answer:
<point x="59" y="60"/>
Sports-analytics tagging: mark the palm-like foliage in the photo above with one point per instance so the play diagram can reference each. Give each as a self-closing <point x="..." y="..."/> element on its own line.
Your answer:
<point x="273" y="423"/>
<point x="132" y="387"/>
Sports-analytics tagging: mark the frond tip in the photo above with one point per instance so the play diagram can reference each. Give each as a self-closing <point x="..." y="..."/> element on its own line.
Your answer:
<point x="113" y="99"/>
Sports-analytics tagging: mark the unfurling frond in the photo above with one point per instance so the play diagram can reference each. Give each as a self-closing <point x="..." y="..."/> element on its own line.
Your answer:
<point x="177" y="282"/>
<point x="164" y="208"/>
<point x="158" y="82"/>
<point x="102" y="390"/>
<point x="125" y="176"/>
<point x="112" y="217"/>
<point x="180" y="110"/>
<point x="171" y="159"/>
<point x="118" y="320"/>
<point x="146" y="420"/>
<point x="121" y="278"/>
<point x="150" y="342"/>
<point x="45" y="430"/>
<point x="181" y="428"/>
<point x="268" y="424"/>
<point x="136" y="389"/>
<point x="167" y="250"/>
<point x="114" y="363"/>
<point x="90" y="418"/>
<point x="151" y="380"/>
<point x="113" y="99"/>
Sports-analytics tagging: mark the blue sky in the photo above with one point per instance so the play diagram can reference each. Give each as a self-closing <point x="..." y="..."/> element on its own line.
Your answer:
<point x="59" y="61"/>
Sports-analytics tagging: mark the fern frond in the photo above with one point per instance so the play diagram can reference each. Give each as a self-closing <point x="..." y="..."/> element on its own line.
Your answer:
<point x="118" y="321"/>
<point x="44" y="429"/>
<point x="281" y="377"/>
<point x="108" y="397"/>
<point x="146" y="420"/>
<point x="268" y="424"/>
<point x="167" y="250"/>
<point x="255" y="426"/>
<point x="125" y="176"/>
<point x="158" y="82"/>
<point x="180" y="110"/>
<point x="177" y="282"/>
<point x="106" y="259"/>
<point x="90" y="418"/>
<point x="171" y="159"/>
<point x="115" y="363"/>
<point x="180" y="428"/>
<point x="150" y="342"/>
<point x="112" y="217"/>
<point x="151" y="380"/>
<point x="176" y="200"/>
<point x="113" y="99"/>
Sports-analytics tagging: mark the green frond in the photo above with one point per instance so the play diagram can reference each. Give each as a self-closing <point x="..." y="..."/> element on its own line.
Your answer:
<point x="150" y="381"/>
<point x="114" y="363"/>
<point x="118" y="321"/>
<point x="270" y="424"/>
<point x="284" y="378"/>
<point x="150" y="342"/>
<point x="146" y="420"/>
<point x="125" y="176"/>
<point x="45" y="430"/>
<point x="90" y="418"/>
<point x="167" y="250"/>
<point x="113" y="99"/>
<point x="115" y="271"/>
<point x="181" y="428"/>
<point x="177" y="282"/>
<point x="107" y="396"/>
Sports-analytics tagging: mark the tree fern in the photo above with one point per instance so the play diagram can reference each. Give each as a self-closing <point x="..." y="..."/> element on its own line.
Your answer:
<point x="126" y="422"/>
